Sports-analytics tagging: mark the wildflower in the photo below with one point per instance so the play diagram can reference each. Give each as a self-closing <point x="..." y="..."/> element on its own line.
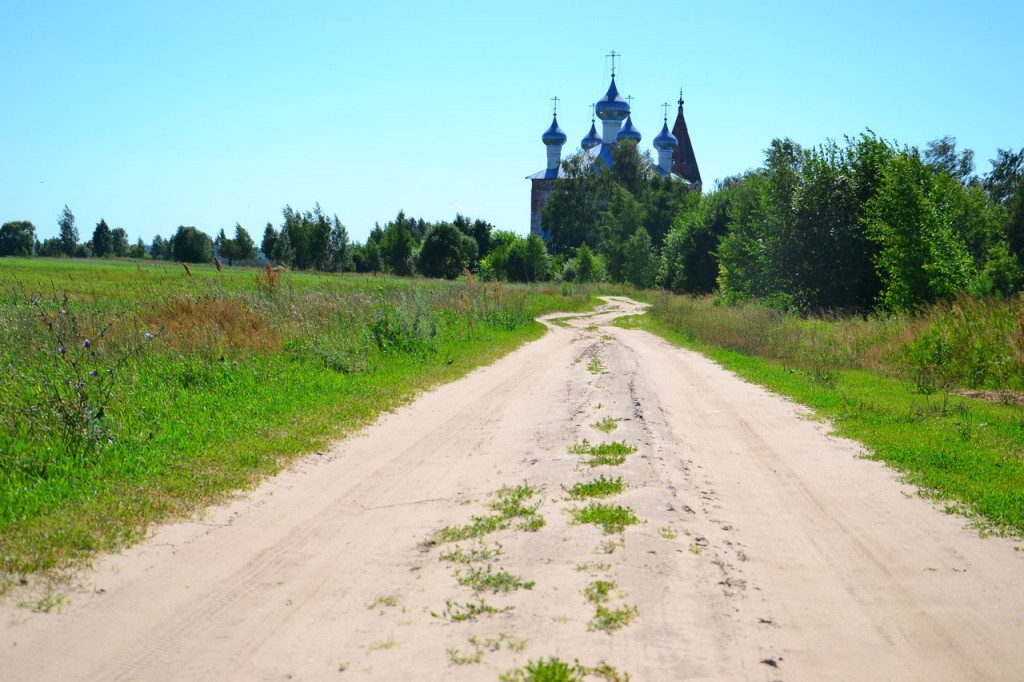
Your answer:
<point x="149" y="336"/>
<point x="86" y="343"/>
<point x="92" y="372"/>
<point x="62" y="350"/>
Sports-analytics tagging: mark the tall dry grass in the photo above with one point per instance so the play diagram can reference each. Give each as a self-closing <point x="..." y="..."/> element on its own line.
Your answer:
<point x="966" y="342"/>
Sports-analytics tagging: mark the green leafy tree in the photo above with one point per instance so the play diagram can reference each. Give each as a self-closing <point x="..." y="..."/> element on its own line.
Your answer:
<point x="269" y="238"/>
<point x="921" y="258"/>
<point x="537" y="261"/>
<point x="222" y="247"/>
<point x="586" y="265"/>
<point x="942" y="155"/>
<point x="689" y="257"/>
<point x="1004" y="180"/>
<point x="570" y="214"/>
<point x="119" y="242"/>
<point x="137" y="250"/>
<point x="1001" y="275"/>
<point x="282" y="252"/>
<point x="366" y="257"/>
<point x="396" y="248"/>
<point x="741" y="253"/>
<point x="480" y="231"/>
<point x="341" y="248"/>
<point x="579" y="209"/>
<point x="17" y="238"/>
<point x="641" y="265"/>
<point x="50" y="248"/>
<point x="619" y="219"/>
<point x="516" y="259"/>
<point x="191" y="245"/>
<point x="101" y="240"/>
<point x="663" y="199"/>
<point x="243" y="248"/>
<point x="445" y="252"/>
<point x="68" y="232"/>
<point x="159" y="248"/>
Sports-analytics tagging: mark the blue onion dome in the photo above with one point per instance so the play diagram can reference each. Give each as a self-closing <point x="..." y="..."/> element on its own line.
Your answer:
<point x="628" y="132"/>
<point x="554" y="134"/>
<point x="612" y="107"/>
<point x="665" y="139"/>
<point x="592" y="139"/>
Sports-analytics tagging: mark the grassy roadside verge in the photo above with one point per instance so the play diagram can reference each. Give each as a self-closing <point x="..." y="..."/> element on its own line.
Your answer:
<point x="962" y="451"/>
<point x="136" y="396"/>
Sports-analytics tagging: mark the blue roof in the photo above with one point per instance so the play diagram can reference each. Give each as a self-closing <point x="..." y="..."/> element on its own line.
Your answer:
<point x="665" y="139"/>
<point x="612" y="107"/>
<point x="554" y="134"/>
<point x="592" y="139"/>
<point x="547" y="174"/>
<point x="628" y="131"/>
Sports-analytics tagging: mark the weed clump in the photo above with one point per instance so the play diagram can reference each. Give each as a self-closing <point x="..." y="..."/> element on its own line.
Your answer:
<point x="599" y="487"/>
<point x="612" y="518"/>
<point x="607" y="619"/>
<point x="489" y="580"/>
<point x="603" y="454"/>
<point x="554" y="669"/>
<point x="509" y="506"/>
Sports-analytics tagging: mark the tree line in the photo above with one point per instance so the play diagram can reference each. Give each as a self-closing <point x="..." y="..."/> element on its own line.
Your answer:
<point x="314" y="240"/>
<point x="860" y="225"/>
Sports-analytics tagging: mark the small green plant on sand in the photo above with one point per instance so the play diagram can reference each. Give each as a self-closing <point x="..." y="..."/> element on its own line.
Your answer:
<point x="480" y="553"/>
<point x="489" y="580"/>
<point x="668" y="533"/>
<point x="610" y="545"/>
<point x="385" y="600"/>
<point x="606" y="425"/>
<point x="599" y="591"/>
<point x="599" y="487"/>
<point x="482" y="645"/>
<point x="471" y="610"/>
<point x="612" y="518"/>
<point x="603" y="454"/>
<point x="389" y="643"/>
<point x="554" y="669"/>
<point x="607" y="619"/>
<point x="595" y="366"/>
<point x="509" y="505"/>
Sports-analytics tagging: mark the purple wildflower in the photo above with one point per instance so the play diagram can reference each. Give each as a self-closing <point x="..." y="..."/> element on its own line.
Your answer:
<point x="92" y="372"/>
<point x="149" y="336"/>
<point x="86" y="343"/>
<point x="62" y="350"/>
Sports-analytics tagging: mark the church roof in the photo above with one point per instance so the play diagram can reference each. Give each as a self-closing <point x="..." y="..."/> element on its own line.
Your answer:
<point x="554" y="134"/>
<point x="612" y="107"/>
<point x="629" y="131"/>
<point x="665" y="139"/>
<point x="684" y="162"/>
<point x="592" y="139"/>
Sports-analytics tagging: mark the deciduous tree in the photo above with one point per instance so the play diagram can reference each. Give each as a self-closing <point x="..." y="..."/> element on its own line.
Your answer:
<point x="101" y="241"/>
<point x="68" y="232"/>
<point x="17" y="238"/>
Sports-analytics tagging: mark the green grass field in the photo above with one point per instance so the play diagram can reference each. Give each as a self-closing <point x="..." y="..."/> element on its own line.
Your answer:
<point x="136" y="392"/>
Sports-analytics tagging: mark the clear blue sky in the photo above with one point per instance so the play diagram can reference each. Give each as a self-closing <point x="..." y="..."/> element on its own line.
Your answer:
<point x="154" y="115"/>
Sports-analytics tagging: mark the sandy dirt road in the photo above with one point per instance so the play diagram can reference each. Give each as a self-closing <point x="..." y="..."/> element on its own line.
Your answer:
<point x="769" y="549"/>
